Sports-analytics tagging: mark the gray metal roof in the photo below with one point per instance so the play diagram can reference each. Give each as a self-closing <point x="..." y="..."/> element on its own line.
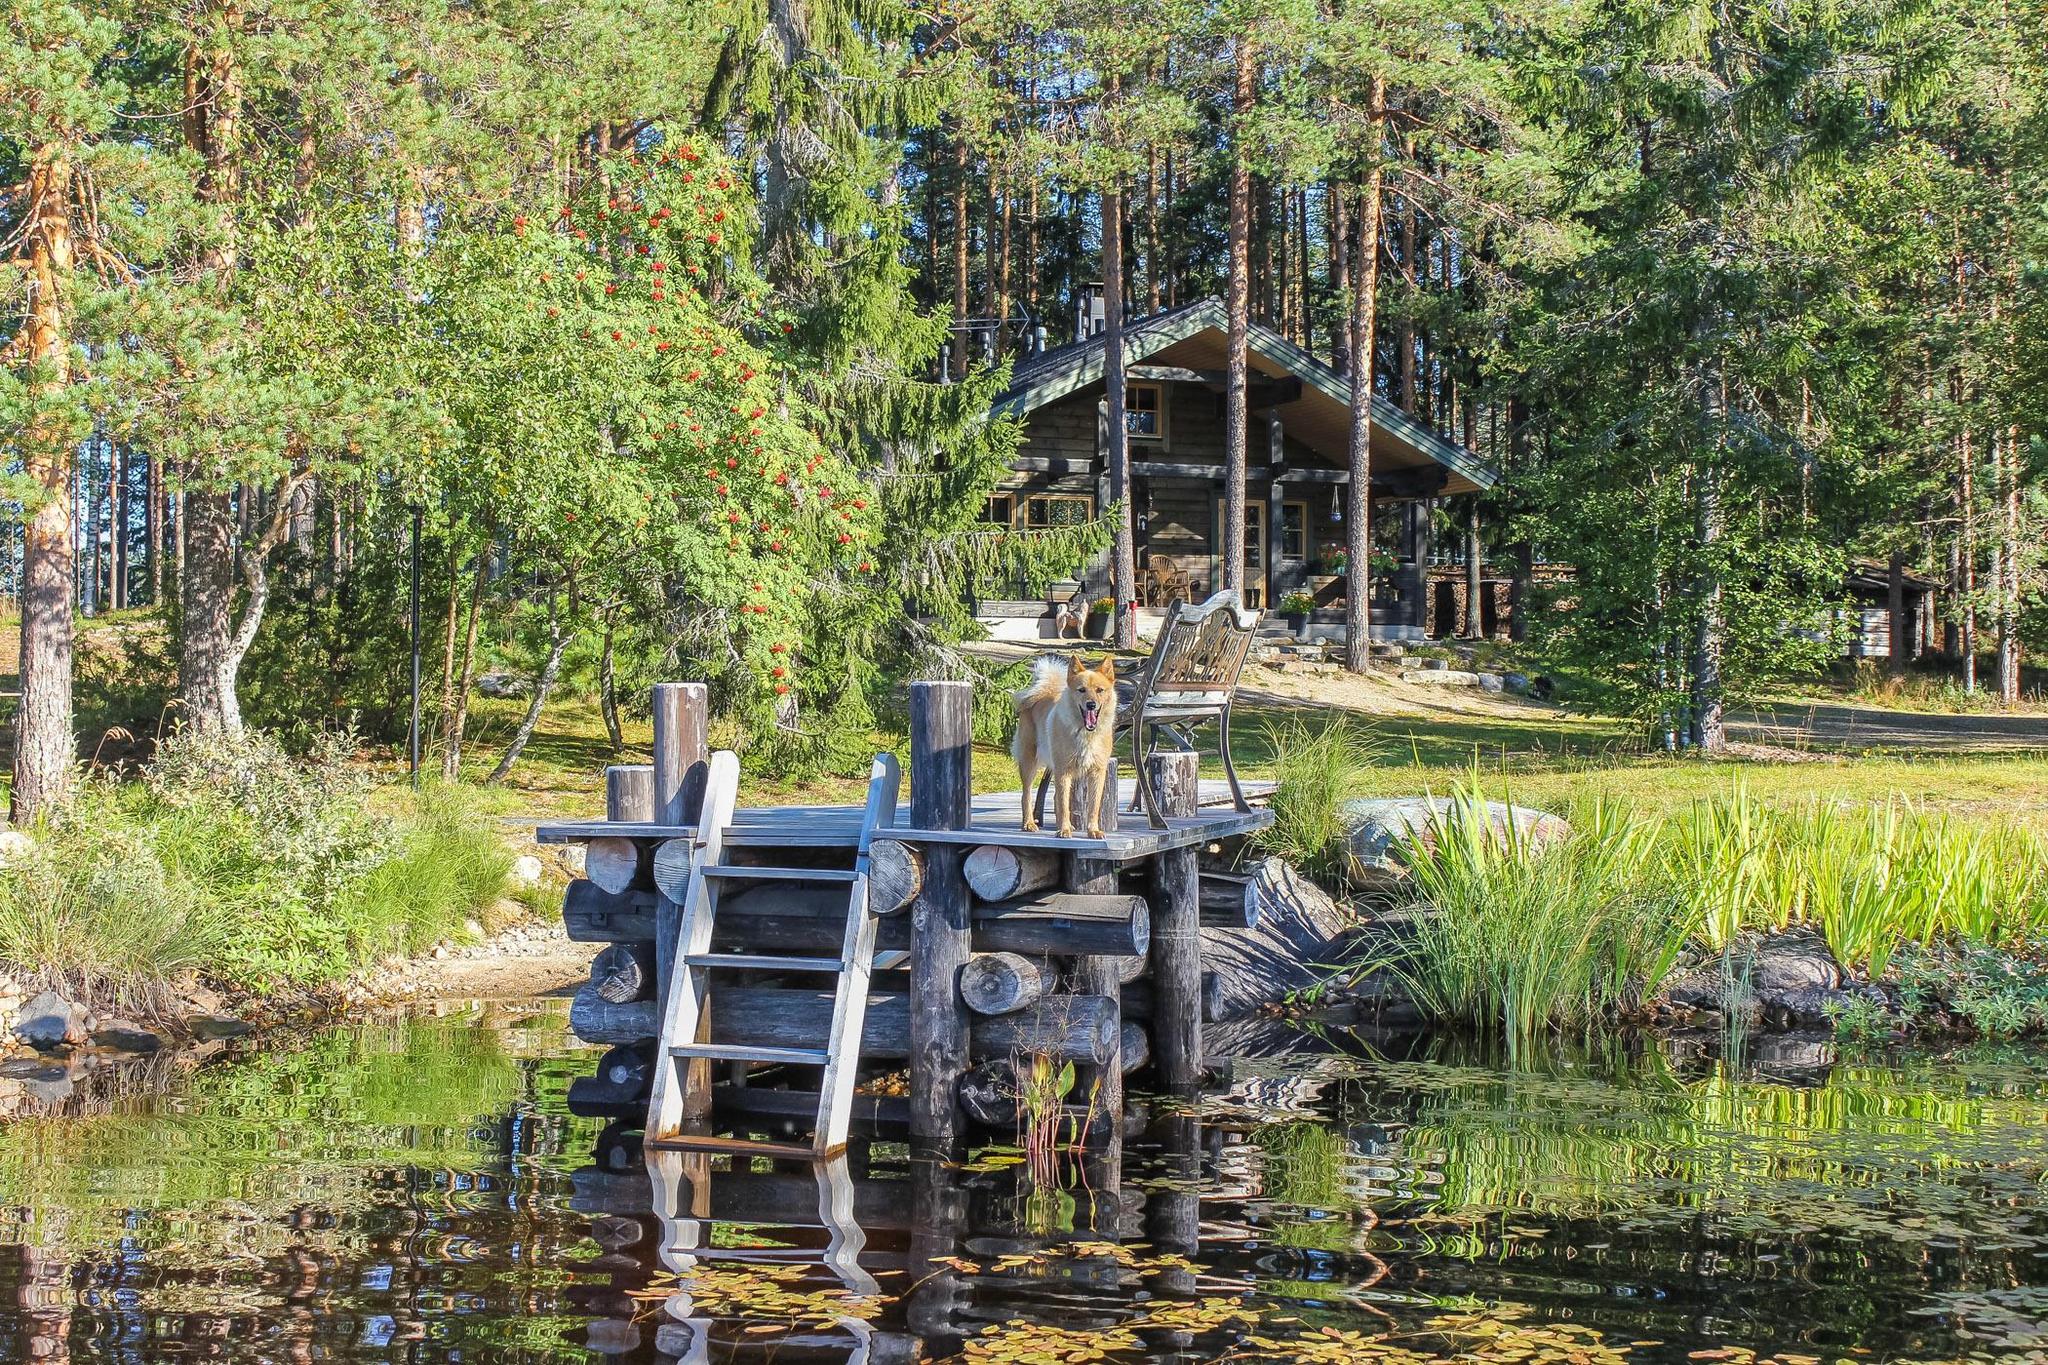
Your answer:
<point x="1036" y="380"/>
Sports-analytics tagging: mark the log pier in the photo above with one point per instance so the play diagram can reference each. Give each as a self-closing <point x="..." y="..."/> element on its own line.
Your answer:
<point x="991" y="944"/>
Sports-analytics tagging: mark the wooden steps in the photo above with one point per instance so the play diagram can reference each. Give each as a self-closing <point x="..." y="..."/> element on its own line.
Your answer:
<point x="695" y="1030"/>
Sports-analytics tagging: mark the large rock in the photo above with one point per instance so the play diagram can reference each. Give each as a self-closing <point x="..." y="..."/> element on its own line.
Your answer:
<point x="1441" y="677"/>
<point x="1296" y="944"/>
<point x="50" y="1021"/>
<point x="1786" y="980"/>
<point x="14" y="846"/>
<point x="1379" y="831"/>
<point x="125" y="1035"/>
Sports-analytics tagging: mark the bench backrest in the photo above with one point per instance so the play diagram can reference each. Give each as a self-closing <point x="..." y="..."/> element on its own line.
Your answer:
<point x="1200" y="652"/>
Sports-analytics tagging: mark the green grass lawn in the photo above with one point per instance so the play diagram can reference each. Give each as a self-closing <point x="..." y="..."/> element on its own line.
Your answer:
<point x="1541" y="756"/>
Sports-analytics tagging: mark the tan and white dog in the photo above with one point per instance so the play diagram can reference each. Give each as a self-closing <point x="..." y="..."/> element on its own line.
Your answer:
<point x="1066" y="722"/>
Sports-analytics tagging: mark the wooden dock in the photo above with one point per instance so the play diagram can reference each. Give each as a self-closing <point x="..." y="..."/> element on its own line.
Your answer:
<point x="746" y="950"/>
<point x="992" y="819"/>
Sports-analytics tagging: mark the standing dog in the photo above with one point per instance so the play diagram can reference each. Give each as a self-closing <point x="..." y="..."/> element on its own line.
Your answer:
<point x="1066" y="722"/>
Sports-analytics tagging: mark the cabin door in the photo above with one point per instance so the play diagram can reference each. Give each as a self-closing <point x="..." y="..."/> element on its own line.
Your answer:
<point x="1254" y="550"/>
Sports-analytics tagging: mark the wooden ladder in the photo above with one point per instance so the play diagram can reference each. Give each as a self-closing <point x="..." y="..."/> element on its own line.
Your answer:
<point x="683" y="1040"/>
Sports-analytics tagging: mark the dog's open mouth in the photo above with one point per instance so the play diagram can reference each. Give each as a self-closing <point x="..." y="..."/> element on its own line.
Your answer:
<point x="1088" y="718"/>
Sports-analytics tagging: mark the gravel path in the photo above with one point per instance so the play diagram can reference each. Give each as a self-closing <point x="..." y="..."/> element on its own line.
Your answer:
<point x="1830" y="726"/>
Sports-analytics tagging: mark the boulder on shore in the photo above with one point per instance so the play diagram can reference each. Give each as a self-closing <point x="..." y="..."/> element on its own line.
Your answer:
<point x="1788" y="979"/>
<point x="1378" y="831"/>
<point x="1296" y="943"/>
<point x="50" y="1021"/>
<point x="125" y="1035"/>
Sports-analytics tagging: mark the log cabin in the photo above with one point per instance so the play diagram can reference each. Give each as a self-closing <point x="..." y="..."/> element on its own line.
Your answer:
<point x="1298" y="412"/>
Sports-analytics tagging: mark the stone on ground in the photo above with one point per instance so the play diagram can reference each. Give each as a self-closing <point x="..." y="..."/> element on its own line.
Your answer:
<point x="50" y="1021"/>
<point x="1379" y="830"/>
<point x="1441" y="677"/>
<point x="125" y="1035"/>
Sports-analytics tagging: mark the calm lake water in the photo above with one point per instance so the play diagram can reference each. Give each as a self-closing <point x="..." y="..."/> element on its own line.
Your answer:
<point x="414" y="1189"/>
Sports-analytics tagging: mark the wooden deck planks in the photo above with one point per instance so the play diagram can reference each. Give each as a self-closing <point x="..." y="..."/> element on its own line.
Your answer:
<point x="993" y="821"/>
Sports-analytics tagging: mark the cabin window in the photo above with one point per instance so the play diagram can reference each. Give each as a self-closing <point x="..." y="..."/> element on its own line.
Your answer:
<point x="1001" y="509"/>
<point x="1145" y="412"/>
<point x="1294" y="530"/>
<point x="1049" y="511"/>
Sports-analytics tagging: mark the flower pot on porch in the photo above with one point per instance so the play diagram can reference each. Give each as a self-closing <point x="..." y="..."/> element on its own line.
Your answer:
<point x="1100" y="625"/>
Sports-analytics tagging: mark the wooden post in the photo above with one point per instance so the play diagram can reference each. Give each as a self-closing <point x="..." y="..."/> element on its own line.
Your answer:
<point x="1176" y="932"/>
<point x="1101" y="976"/>
<point x="629" y="793"/>
<point x="681" y="754"/>
<point x="941" y="791"/>
<point x="681" y="763"/>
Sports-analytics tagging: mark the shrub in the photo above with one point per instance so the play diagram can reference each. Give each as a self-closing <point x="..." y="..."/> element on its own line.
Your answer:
<point x="232" y="859"/>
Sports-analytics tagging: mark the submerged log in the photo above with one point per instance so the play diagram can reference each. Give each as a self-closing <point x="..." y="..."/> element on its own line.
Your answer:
<point x="996" y="983"/>
<point x="1137" y="1047"/>
<point x="895" y="875"/>
<point x="1137" y="998"/>
<point x="1077" y="1028"/>
<point x="624" y="972"/>
<point x="591" y="914"/>
<point x="620" y="1087"/>
<point x="1095" y="926"/>
<point x="1299" y="941"/>
<point x="997" y="872"/>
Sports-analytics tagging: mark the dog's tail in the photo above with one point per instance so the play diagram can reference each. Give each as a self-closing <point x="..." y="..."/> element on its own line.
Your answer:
<point x="1048" y="680"/>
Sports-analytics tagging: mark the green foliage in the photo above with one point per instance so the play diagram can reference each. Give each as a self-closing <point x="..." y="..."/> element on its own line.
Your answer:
<point x="1998" y="994"/>
<point x="237" y="862"/>
<point x="1527" y="937"/>
<point x="1317" y="770"/>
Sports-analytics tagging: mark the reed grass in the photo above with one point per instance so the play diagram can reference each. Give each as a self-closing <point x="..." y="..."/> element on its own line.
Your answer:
<point x="1530" y="938"/>
<point x="1316" y="769"/>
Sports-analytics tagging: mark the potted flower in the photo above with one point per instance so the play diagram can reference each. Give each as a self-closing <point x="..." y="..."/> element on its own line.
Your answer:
<point x="1295" y="608"/>
<point x="1101" y="614"/>
<point x="1339" y="563"/>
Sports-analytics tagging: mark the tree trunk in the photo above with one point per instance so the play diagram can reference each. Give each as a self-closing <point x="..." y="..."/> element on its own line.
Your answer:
<point x="1709" y="628"/>
<point x="2009" y="466"/>
<point x="1362" y="342"/>
<point x="608" y="694"/>
<point x="1966" y="581"/>
<point x="1338" y="228"/>
<point x="44" y="746"/>
<point x="153" y="530"/>
<point x="1123" y="554"/>
<point x="212" y="128"/>
<point x="558" y="644"/>
<point x="960" y="243"/>
<point x="206" y="599"/>
<point x="117" y="534"/>
<point x="458" y="718"/>
<point x="1236" y="426"/>
<point x="1897" y="645"/>
<point x="1475" y="574"/>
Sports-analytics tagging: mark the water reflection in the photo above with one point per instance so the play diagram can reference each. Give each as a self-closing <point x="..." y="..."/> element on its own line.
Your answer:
<point x="414" y="1188"/>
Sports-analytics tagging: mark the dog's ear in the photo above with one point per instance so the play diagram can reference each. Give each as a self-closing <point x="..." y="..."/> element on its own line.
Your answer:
<point x="1074" y="670"/>
<point x="1108" y="669"/>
